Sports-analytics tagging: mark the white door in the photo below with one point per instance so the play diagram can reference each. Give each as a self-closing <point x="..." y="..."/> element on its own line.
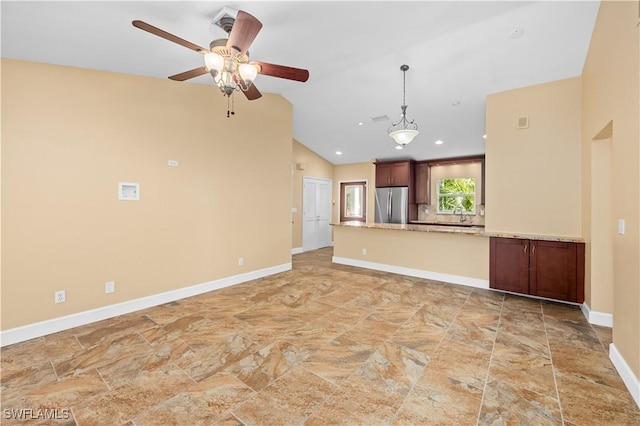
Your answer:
<point x="316" y="213"/>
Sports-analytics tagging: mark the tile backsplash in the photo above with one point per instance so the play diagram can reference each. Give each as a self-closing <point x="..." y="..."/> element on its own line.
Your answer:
<point x="428" y="213"/>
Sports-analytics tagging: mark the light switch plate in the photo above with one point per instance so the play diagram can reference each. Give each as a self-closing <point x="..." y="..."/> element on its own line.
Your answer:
<point x="172" y="163"/>
<point x="621" y="226"/>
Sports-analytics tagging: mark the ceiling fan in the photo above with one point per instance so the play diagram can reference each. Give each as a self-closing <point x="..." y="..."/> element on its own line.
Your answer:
<point x="227" y="60"/>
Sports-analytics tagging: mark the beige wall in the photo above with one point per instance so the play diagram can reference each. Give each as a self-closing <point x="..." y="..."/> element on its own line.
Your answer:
<point x="354" y="172"/>
<point x="70" y="135"/>
<point x="610" y="125"/>
<point x="533" y="175"/>
<point x="314" y="166"/>
<point x="425" y="251"/>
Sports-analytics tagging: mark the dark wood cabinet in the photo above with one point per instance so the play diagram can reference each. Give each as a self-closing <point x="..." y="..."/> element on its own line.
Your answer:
<point x="423" y="179"/>
<point x="549" y="269"/>
<point x="509" y="264"/>
<point x="397" y="173"/>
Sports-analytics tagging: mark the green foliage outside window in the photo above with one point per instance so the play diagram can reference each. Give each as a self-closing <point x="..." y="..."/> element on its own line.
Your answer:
<point x="456" y="193"/>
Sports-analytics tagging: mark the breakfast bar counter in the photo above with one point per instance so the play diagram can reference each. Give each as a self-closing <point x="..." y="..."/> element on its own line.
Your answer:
<point x="454" y="254"/>
<point x="452" y="228"/>
<point x="449" y="229"/>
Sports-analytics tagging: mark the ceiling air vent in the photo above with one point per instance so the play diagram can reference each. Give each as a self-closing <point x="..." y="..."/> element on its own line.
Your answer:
<point x="224" y="19"/>
<point x="380" y="119"/>
<point x="523" y="123"/>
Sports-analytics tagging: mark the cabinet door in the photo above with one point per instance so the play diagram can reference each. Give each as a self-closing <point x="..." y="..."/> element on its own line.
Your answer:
<point x="383" y="175"/>
<point x="553" y="270"/>
<point x="422" y="183"/>
<point x="509" y="264"/>
<point x="400" y="174"/>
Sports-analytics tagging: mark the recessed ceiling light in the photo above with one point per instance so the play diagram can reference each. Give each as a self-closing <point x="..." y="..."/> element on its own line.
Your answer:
<point x="360" y="123"/>
<point x="517" y="33"/>
<point x="339" y="152"/>
<point x="439" y="142"/>
<point x="484" y="136"/>
<point x="398" y="146"/>
<point x="455" y="103"/>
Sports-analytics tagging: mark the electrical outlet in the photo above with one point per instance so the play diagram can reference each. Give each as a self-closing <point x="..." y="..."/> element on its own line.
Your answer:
<point x="364" y="251"/>
<point x="110" y="287"/>
<point x="240" y="261"/>
<point x="60" y="296"/>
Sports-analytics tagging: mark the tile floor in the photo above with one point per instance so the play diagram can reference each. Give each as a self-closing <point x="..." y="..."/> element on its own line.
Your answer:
<point x="326" y="344"/>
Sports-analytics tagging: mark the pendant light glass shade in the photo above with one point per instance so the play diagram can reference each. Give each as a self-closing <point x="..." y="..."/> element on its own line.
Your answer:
<point x="404" y="136"/>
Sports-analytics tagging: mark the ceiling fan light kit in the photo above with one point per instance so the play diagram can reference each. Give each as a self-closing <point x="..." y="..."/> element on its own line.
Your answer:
<point x="404" y="130"/>
<point x="229" y="68"/>
<point x="227" y="60"/>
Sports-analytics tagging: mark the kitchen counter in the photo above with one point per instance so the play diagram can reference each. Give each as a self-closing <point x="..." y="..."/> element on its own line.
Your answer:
<point x="453" y="254"/>
<point x="452" y="229"/>
<point x="561" y="239"/>
<point x="446" y="229"/>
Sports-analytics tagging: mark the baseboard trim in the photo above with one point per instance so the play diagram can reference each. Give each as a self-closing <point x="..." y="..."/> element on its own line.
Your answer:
<point x="42" y="328"/>
<point x="629" y="379"/>
<point x="418" y="273"/>
<point x="597" y="318"/>
<point x="296" y="250"/>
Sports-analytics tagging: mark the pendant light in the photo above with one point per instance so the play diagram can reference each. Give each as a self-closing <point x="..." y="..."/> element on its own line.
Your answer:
<point x="404" y="130"/>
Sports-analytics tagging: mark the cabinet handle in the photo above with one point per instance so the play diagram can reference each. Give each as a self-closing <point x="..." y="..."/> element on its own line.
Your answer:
<point x="533" y="249"/>
<point x="525" y="249"/>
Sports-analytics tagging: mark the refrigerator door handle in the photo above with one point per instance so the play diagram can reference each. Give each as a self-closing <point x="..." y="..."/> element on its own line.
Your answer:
<point x="389" y="209"/>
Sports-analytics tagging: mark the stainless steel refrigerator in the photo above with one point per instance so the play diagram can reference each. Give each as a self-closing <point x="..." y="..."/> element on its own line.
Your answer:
<point x="392" y="205"/>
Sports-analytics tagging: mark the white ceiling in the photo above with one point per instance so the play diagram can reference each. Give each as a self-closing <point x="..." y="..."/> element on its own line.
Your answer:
<point x="457" y="51"/>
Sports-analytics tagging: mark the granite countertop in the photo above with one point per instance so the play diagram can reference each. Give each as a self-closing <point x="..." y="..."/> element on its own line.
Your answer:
<point x="465" y="230"/>
<point x="562" y="239"/>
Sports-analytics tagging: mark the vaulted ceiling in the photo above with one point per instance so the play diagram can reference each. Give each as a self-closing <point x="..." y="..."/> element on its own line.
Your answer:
<point x="457" y="51"/>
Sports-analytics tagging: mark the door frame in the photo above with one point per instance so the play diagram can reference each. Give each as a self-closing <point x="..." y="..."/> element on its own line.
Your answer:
<point x="365" y="201"/>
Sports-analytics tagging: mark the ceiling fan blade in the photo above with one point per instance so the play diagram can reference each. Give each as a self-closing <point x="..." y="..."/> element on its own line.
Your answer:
<point x="252" y="93"/>
<point x="245" y="29"/>
<point x="281" y="71"/>
<point x="189" y="74"/>
<point x="161" y="33"/>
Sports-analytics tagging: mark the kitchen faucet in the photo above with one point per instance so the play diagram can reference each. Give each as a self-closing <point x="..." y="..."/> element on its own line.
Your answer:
<point x="462" y="218"/>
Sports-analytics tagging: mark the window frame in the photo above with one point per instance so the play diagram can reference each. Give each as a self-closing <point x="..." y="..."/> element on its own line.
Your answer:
<point x="343" y="206"/>
<point x="457" y="194"/>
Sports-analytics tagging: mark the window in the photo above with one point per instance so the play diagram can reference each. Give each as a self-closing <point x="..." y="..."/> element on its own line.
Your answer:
<point x="353" y="205"/>
<point x="457" y="195"/>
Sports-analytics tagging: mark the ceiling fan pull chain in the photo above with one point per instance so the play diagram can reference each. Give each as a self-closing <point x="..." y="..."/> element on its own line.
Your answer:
<point x="233" y="104"/>
<point x="230" y="105"/>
